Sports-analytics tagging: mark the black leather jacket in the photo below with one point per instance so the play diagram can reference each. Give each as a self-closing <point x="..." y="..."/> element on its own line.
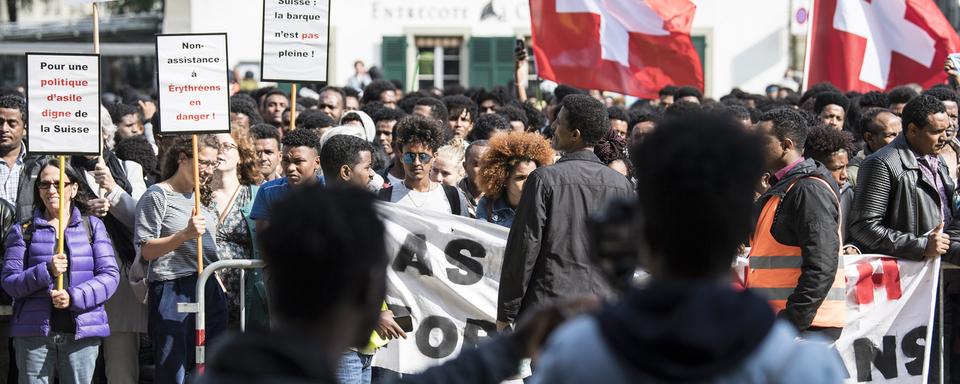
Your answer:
<point x="895" y="205"/>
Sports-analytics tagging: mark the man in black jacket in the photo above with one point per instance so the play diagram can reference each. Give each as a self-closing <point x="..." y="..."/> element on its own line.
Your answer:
<point x="547" y="251"/>
<point x="904" y="191"/>
<point x="804" y="224"/>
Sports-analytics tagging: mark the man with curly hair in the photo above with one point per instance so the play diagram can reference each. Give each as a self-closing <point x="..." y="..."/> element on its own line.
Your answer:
<point x="794" y="254"/>
<point x="300" y="161"/>
<point x="832" y="148"/>
<point x="547" y="252"/>
<point x="418" y="139"/>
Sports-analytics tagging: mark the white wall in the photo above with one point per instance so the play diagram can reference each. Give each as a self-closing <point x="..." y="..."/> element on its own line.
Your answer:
<point x="240" y="19"/>
<point x="747" y="43"/>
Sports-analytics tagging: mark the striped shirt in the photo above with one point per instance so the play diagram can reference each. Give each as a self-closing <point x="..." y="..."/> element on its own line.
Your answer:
<point x="10" y="177"/>
<point x="162" y="213"/>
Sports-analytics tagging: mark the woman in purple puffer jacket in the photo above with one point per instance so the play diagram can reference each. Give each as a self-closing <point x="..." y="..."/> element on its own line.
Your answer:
<point x="58" y="332"/>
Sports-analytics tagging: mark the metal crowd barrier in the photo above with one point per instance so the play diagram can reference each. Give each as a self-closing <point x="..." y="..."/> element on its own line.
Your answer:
<point x="198" y="307"/>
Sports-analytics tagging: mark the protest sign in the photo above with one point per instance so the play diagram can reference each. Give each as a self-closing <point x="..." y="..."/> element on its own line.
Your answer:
<point x="444" y="272"/>
<point x="296" y="36"/>
<point x="192" y="81"/>
<point x="890" y="308"/>
<point x="63" y="104"/>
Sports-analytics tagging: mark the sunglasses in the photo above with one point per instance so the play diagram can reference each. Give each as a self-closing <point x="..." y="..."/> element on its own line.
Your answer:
<point x="45" y="185"/>
<point x="410" y="157"/>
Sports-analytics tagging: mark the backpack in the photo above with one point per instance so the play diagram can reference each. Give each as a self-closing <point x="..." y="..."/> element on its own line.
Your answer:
<point x="453" y="197"/>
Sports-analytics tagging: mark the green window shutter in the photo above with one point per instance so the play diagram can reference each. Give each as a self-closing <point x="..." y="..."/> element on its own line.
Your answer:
<point x="393" y="57"/>
<point x="700" y="44"/>
<point x="491" y="61"/>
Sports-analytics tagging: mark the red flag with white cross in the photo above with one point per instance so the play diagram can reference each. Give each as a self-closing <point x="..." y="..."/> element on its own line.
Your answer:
<point x="633" y="47"/>
<point x="869" y="45"/>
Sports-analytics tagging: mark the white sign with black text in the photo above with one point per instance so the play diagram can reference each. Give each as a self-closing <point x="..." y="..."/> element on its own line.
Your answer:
<point x="63" y="102"/>
<point x="296" y="40"/>
<point x="194" y="93"/>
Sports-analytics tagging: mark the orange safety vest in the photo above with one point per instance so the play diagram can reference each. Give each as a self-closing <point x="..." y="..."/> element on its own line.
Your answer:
<point x="775" y="268"/>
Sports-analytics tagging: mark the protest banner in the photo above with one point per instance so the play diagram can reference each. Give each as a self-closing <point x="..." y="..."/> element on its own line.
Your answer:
<point x="193" y="91"/>
<point x="890" y="309"/>
<point x="296" y="36"/>
<point x="444" y="272"/>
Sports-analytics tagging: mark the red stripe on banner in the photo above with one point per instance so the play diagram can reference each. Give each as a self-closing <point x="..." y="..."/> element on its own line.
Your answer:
<point x="891" y="279"/>
<point x="865" y="284"/>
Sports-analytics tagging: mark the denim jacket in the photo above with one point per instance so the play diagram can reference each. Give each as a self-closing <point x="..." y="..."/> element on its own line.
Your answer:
<point x="496" y="211"/>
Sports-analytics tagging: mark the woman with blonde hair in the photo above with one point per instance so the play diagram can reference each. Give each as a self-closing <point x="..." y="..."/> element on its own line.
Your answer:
<point x="504" y="168"/>
<point x="235" y="184"/>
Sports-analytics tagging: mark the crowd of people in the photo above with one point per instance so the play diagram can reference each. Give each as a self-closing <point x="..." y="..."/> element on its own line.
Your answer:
<point x="795" y="180"/>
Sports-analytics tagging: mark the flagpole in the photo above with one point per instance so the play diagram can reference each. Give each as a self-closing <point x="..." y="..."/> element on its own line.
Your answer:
<point x="806" y="52"/>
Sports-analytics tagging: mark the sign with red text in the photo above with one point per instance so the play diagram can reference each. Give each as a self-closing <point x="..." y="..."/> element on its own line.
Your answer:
<point x="194" y="94"/>
<point x="890" y="309"/>
<point x="296" y="36"/>
<point x="63" y="104"/>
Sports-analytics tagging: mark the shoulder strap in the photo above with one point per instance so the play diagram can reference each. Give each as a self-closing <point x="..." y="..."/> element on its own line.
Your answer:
<point x="453" y="197"/>
<point x="88" y="228"/>
<point x="385" y="194"/>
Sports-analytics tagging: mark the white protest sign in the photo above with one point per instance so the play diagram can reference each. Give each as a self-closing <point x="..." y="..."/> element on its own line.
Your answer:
<point x="444" y="272"/>
<point x="890" y="309"/>
<point x="194" y="93"/>
<point x="296" y="36"/>
<point x="63" y="103"/>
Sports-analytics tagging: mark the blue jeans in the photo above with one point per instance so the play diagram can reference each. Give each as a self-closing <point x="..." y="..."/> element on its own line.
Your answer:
<point x="173" y="333"/>
<point x="38" y="357"/>
<point x="354" y="368"/>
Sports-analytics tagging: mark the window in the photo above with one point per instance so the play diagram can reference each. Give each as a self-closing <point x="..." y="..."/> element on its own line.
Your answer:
<point x="438" y="61"/>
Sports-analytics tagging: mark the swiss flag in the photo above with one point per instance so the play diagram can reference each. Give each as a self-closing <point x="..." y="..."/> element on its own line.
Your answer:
<point x="633" y="47"/>
<point x="864" y="45"/>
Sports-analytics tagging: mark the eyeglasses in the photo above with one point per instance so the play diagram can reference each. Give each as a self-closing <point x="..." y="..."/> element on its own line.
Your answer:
<point x="45" y="185"/>
<point x="227" y="146"/>
<point x="411" y="157"/>
<point x="208" y="164"/>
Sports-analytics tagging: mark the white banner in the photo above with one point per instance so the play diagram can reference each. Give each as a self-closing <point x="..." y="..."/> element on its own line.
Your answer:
<point x="890" y="309"/>
<point x="296" y="36"/>
<point x="63" y="102"/>
<point x="444" y="272"/>
<point x="194" y="94"/>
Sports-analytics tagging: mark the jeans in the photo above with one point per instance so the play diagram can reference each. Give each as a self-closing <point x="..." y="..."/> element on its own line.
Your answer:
<point x="173" y="333"/>
<point x="38" y="357"/>
<point x="121" y="358"/>
<point x="354" y="368"/>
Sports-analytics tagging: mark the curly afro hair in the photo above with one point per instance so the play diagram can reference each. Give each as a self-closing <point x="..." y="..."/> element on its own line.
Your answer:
<point x="942" y="94"/>
<point x="504" y="153"/>
<point x="314" y="119"/>
<point x="917" y="110"/>
<point x="874" y="99"/>
<point x="418" y="129"/>
<point x="901" y="95"/>
<point x="247" y="106"/>
<point x="486" y="125"/>
<point x="513" y="113"/>
<point x="301" y="138"/>
<point x="137" y="149"/>
<point x="373" y="90"/>
<point x="119" y="110"/>
<point x="456" y="104"/>
<point x="828" y="98"/>
<point x="15" y="102"/>
<point x="588" y="115"/>
<point x="823" y="141"/>
<point x="788" y="123"/>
